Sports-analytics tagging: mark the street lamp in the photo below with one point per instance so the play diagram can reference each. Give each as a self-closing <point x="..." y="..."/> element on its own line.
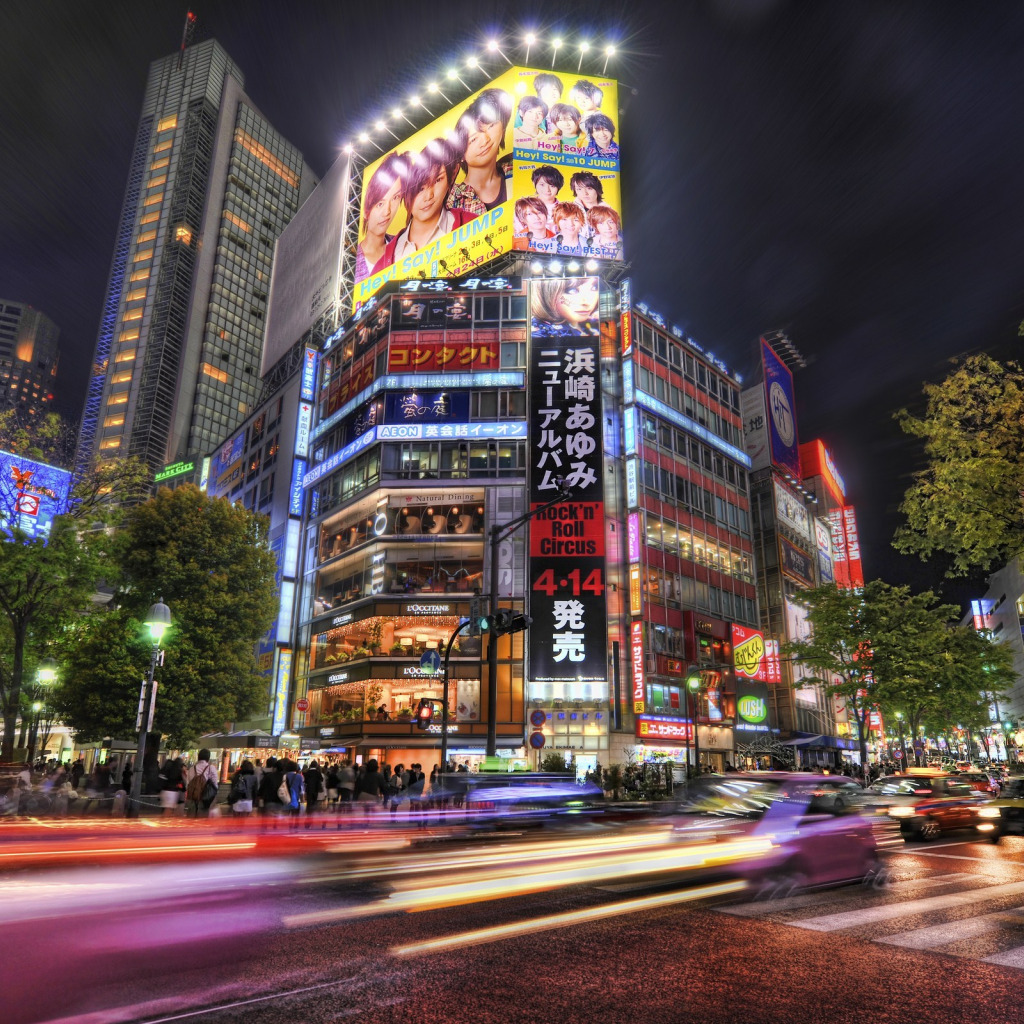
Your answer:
<point x="158" y="620"/>
<point x="903" y="745"/>
<point x="45" y="676"/>
<point x="693" y="681"/>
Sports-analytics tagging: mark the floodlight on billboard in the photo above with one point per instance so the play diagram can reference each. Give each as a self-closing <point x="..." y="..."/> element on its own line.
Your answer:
<point x="529" y="162"/>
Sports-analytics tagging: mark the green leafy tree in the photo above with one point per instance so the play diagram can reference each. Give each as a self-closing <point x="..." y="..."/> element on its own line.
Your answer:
<point x="210" y="562"/>
<point x="837" y="652"/>
<point x="966" y="502"/>
<point x="48" y="438"/>
<point x="45" y="583"/>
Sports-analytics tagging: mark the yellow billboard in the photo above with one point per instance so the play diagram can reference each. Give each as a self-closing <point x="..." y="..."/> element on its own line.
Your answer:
<point x="530" y="162"/>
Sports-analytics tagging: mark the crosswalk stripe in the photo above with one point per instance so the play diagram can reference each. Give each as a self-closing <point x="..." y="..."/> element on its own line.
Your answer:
<point x="810" y="899"/>
<point x="890" y="911"/>
<point x="1008" y="958"/>
<point x="943" y="934"/>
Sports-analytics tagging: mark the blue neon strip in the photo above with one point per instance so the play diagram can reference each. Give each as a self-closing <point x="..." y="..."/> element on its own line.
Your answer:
<point x="418" y="381"/>
<point x="665" y="412"/>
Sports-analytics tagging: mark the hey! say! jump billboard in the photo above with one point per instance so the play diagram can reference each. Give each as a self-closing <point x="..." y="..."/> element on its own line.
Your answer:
<point x="529" y="162"/>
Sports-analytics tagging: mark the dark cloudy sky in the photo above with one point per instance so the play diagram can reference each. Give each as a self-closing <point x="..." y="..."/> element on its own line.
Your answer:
<point x="850" y="172"/>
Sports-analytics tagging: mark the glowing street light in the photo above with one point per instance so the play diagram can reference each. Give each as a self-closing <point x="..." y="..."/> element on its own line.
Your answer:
<point x="158" y="621"/>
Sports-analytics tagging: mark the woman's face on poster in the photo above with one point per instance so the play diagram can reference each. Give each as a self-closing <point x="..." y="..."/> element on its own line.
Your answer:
<point x="579" y="301"/>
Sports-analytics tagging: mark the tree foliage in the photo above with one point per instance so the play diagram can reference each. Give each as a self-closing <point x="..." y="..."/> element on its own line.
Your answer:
<point x="210" y="563"/>
<point x="48" y="438"/>
<point x="888" y="648"/>
<point x="967" y="501"/>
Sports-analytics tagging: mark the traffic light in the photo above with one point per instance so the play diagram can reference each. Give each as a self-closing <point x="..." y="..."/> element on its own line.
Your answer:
<point x="425" y="714"/>
<point x="478" y="622"/>
<point x="504" y="620"/>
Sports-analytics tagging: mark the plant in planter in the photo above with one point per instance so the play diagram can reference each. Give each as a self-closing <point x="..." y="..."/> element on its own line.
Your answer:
<point x="341" y="656"/>
<point x="397" y="649"/>
<point x="374" y="637"/>
<point x="374" y="692"/>
<point x="361" y="652"/>
<point x="405" y="713"/>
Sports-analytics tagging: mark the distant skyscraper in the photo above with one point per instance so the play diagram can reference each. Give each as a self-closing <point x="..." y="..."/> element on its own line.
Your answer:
<point x="210" y="187"/>
<point x="28" y="357"/>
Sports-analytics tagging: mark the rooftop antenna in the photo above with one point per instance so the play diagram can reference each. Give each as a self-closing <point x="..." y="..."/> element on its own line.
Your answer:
<point x="186" y="36"/>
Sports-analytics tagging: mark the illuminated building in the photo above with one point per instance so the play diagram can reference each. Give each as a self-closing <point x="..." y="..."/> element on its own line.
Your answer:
<point x="28" y="357"/>
<point x="455" y="399"/>
<point x="794" y="546"/>
<point x="210" y="186"/>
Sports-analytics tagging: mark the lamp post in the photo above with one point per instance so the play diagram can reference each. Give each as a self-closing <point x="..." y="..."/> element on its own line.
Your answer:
<point x="499" y="531"/>
<point x="903" y="745"/>
<point x="157" y="622"/>
<point x="693" y="681"/>
<point x="45" y="676"/>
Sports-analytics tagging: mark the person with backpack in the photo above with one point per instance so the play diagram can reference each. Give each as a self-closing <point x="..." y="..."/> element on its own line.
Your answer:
<point x="243" y="790"/>
<point x="296" y="785"/>
<point x="201" y="784"/>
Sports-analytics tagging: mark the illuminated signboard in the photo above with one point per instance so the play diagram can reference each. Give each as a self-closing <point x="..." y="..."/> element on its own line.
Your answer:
<point x="796" y="563"/>
<point x="529" y="162"/>
<point x="772" y="662"/>
<point x="790" y="511"/>
<point x="692" y="427"/>
<point x="823" y="536"/>
<point x="650" y="727"/>
<point x="32" y="494"/>
<point x="626" y="315"/>
<point x="632" y="484"/>
<point x="310" y="360"/>
<point x="816" y="460"/>
<point x="440" y="356"/>
<point x="173" y="470"/>
<point x="427" y="407"/>
<point x="633" y="536"/>
<point x="778" y="390"/>
<point x="284" y="671"/>
<point x="295" y="492"/>
<point x="418" y="431"/>
<point x="227" y="468"/>
<point x="303" y="422"/>
<point x="854" y="564"/>
<point x="636" y="644"/>
<point x="748" y="652"/>
<point x="751" y="707"/>
<point x="568" y="638"/>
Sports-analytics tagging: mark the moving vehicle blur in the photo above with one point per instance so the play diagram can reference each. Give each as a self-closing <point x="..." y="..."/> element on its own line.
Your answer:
<point x="1004" y="816"/>
<point x="925" y="805"/>
<point x="817" y="835"/>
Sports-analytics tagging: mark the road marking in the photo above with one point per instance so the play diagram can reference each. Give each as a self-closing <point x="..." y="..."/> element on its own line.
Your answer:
<point x="890" y="911"/>
<point x="948" y="856"/>
<point x="943" y="934"/>
<point x="521" y="929"/>
<point x="809" y="899"/>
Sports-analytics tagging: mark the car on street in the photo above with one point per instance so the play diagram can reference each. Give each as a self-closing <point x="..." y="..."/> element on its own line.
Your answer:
<point x="815" y="833"/>
<point x="1004" y="816"/>
<point x="981" y="781"/>
<point x="924" y="805"/>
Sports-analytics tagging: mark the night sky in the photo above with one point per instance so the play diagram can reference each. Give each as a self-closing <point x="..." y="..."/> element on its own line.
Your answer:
<point x="848" y="172"/>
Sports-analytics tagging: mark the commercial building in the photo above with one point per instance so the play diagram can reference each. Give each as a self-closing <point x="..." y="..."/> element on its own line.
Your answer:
<point x="28" y="358"/>
<point x="795" y="549"/>
<point x="210" y="187"/>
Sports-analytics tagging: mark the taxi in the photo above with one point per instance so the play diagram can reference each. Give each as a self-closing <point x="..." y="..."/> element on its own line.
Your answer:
<point x="926" y="804"/>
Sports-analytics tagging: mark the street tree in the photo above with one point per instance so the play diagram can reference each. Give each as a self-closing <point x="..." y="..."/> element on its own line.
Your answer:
<point x="46" y="582"/>
<point x="837" y="652"/>
<point x="210" y="562"/>
<point x="966" y="502"/>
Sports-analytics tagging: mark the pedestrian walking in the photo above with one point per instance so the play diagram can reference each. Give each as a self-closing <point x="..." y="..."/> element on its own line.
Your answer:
<point x="201" y="784"/>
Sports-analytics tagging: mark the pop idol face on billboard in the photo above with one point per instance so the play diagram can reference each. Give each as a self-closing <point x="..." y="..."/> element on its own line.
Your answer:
<point x="529" y="162"/>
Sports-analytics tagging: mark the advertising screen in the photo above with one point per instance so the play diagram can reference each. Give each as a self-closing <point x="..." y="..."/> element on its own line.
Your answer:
<point x="31" y="494"/>
<point x="529" y="162"/>
<point x="816" y="460"/>
<point x="751" y="706"/>
<point x="778" y="390"/>
<point x="568" y="638"/>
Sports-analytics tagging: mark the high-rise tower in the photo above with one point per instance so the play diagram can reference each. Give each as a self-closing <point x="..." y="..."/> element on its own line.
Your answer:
<point x="210" y="187"/>
<point x="28" y="357"/>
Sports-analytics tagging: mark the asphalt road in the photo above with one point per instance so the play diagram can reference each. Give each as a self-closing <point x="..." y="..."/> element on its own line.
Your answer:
<point x="310" y="940"/>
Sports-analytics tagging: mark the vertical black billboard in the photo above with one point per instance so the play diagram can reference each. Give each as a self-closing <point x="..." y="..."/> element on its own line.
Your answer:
<point x="568" y="638"/>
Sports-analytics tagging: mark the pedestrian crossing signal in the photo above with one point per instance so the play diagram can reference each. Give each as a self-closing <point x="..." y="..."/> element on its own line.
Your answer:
<point x="425" y="714"/>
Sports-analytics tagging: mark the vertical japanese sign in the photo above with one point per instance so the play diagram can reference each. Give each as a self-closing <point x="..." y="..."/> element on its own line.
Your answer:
<point x="856" y="569"/>
<point x="568" y="638"/>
